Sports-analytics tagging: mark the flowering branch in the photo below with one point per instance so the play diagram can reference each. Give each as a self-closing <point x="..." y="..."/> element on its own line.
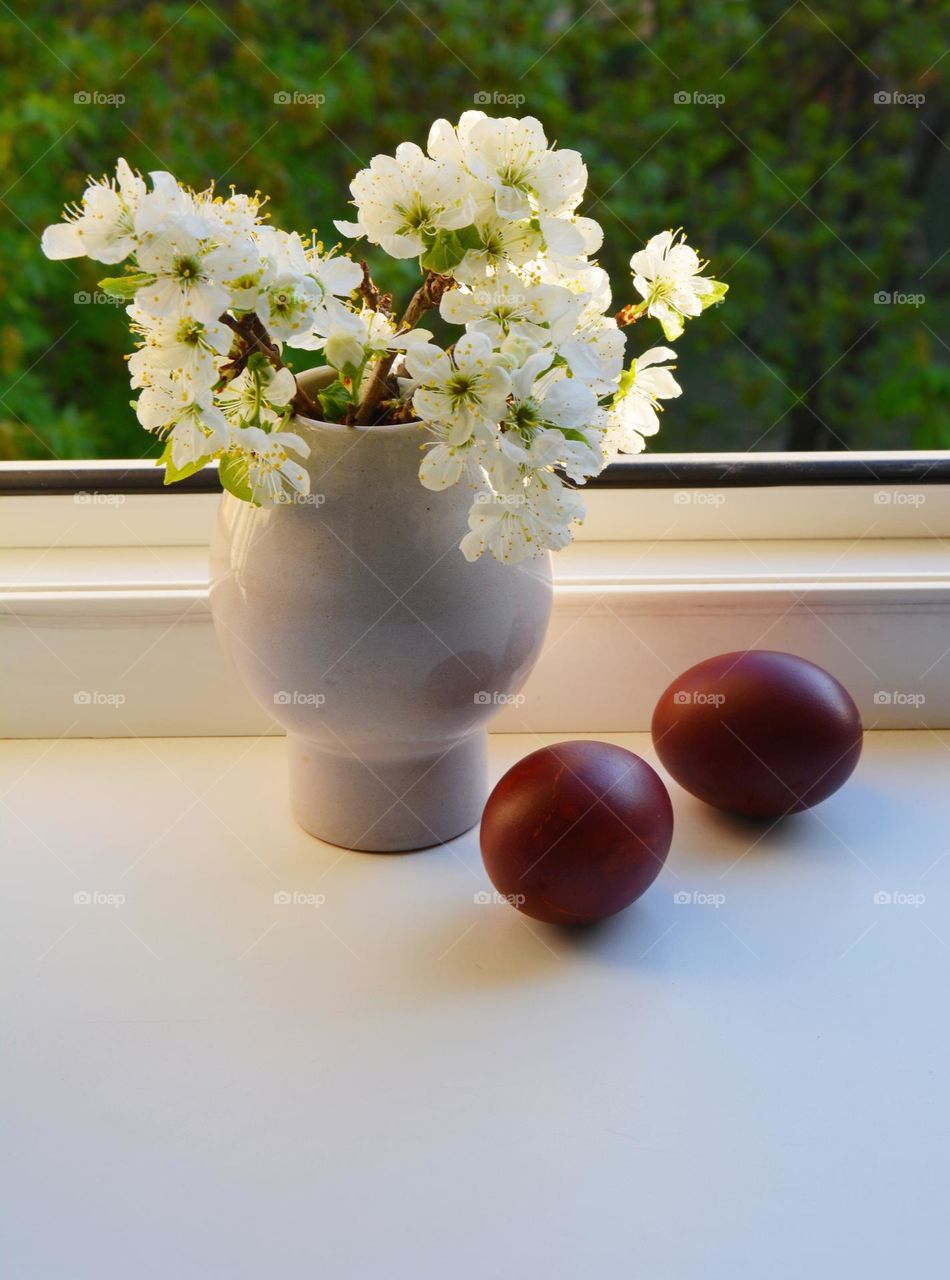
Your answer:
<point x="426" y="298"/>
<point x="253" y="338"/>
<point x="371" y="294"/>
<point x="534" y="395"/>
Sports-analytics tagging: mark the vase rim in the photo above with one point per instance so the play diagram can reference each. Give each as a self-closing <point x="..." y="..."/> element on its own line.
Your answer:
<point x="321" y="376"/>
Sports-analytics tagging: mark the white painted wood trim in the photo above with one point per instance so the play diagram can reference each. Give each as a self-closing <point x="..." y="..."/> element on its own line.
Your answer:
<point x="118" y="639"/>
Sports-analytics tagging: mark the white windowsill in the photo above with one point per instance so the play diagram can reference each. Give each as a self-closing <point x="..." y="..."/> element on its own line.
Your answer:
<point x="110" y="598"/>
<point x="273" y="1079"/>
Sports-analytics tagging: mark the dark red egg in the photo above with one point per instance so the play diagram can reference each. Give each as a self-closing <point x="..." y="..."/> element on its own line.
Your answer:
<point x="576" y="831"/>
<point x="758" y="733"/>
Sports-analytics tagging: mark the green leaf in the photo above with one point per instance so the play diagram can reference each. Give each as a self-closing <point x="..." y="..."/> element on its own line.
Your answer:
<point x="233" y="474"/>
<point x="569" y="433"/>
<point x="172" y="473"/>
<point x="717" y="293"/>
<point x="334" y="401"/>
<point x="672" y="326"/>
<point x="446" y="249"/>
<point x="124" y="287"/>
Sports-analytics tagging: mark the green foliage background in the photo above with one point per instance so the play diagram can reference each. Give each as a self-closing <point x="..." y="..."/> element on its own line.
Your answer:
<point x="809" y="196"/>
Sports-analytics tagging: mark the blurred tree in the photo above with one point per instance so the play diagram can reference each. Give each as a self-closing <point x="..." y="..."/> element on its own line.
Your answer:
<point x="803" y="147"/>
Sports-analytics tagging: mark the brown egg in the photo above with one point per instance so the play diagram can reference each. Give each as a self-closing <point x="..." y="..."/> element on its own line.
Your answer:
<point x="758" y="733"/>
<point x="576" y="831"/>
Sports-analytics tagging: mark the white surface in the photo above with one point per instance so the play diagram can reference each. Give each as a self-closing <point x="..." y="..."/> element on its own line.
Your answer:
<point x="402" y="1082"/>
<point x="175" y="517"/>
<point x="112" y="641"/>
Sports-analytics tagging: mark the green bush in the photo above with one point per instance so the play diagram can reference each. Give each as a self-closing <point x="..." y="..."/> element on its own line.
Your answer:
<point x="809" y="196"/>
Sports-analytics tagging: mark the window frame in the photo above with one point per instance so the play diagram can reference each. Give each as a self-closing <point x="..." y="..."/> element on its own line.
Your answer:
<point x="840" y="558"/>
<point x="648" y="471"/>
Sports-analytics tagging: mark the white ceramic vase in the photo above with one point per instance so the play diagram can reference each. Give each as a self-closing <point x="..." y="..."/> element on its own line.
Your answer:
<point x="354" y="620"/>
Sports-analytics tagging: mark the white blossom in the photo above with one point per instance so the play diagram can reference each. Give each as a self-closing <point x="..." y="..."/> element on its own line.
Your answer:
<point x="355" y="337"/>
<point x="501" y="243"/>
<point x="103" y="227"/>
<point x="634" y="411"/>
<point x="467" y="388"/>
<point x="521" y="518"/>
<point x="531" y="398"/>
<point x="667" y="274"/>
<point x="265" y="462"/>
<point x="184" y="415"/>
<point x="259" y="395"/>
<point x="403" y="199"/>
<point x="289" y="304"/>
<point x="525" y="176"/>
<point x="181" y="345"/>
<point x="184" y="275"/>
<point x="507" y="304"/>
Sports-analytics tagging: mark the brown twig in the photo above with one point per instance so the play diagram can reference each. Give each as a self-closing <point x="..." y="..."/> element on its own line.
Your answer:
<point x="252" y="338"/>
<point x="427" y="296"/>
<point x="398" y="410"/>
<point x="369" y="292"/>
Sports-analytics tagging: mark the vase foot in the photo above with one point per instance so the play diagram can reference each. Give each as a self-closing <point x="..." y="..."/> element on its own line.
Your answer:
<point x="389" y="805"/>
